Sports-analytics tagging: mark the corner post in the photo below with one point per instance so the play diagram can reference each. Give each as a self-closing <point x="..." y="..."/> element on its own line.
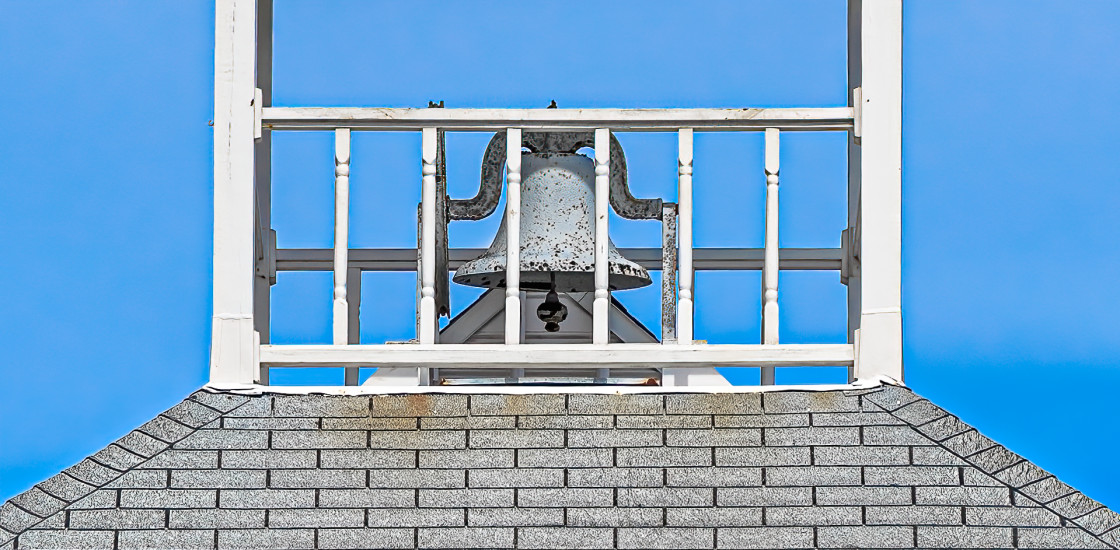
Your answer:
<point x="880" y="193"/>
<point x="233" y="341"/>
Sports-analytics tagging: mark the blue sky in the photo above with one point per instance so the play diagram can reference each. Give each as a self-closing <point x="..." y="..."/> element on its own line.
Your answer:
<point x="1010" y="196"/>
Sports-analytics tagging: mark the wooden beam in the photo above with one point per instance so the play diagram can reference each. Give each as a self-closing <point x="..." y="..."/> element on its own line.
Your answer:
<point x="493" y="120"/>
<point x="552" y="356"/>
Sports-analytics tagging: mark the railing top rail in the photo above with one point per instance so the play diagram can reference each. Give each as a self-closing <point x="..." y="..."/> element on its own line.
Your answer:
<point x="637" y="120"/>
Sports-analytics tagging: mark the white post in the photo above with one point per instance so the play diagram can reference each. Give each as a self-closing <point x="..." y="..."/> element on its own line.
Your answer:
<point x="770" y="253"/>
<point x="341" y="233"/>
<point x="513" y="236"/>
<point x="880" y="332"/>
<point x="684" y="236"/>
<point x="232" y="350"/>
<point x="428" y="239"/>
<point x="601" y="310"/>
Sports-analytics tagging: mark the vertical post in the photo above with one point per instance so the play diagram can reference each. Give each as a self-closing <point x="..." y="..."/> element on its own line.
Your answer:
<point x="354" y="300"/>
<point x="232" y="346"/>
<point x="668" y="273"/>
<point x="601" y="311"/>
<point x="265" y="254"/>
<point x="513" y="236"/>
<point x="427" y="331"/>
<point x="770" y="258"/>
<point x="684" y="203"/>
<point x="880" y="216"/>
<point x="341" y="234"/>
<point x="850" y="240"/>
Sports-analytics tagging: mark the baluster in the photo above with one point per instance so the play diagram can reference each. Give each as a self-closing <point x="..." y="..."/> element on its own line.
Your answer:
<point x="428" y="240"/>
<point x="513" y="236"/>
<point x="770" y="257"/>
<point x="684" y="222"/>
<point x="601" y="310"/>
<point x="341" y="233"/>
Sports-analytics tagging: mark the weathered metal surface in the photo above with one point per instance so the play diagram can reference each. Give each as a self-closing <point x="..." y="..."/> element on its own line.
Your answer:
<point x="669" y="273"/>
<point x="555" y="233"/>
<point x="490" y="184"/>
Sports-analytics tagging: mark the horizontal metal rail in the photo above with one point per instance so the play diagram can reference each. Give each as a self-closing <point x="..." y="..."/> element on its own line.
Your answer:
<point x="491" y="120"/>
<point x="705" y="259"/>
<point x="568" y="356"/>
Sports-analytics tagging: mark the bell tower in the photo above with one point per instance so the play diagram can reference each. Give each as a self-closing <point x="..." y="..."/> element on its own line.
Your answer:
<point x="548" y="313"/>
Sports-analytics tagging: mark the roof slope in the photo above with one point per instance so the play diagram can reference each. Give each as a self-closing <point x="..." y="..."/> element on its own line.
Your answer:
<point x="872" y="468"/>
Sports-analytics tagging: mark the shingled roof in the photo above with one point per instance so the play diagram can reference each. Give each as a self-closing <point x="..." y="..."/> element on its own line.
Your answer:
<point x="870" y="468"/>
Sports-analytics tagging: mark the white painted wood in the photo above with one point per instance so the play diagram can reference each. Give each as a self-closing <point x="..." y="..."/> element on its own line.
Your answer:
<point x="600" y="334"/>
<point x="341" y="330"/>
<point x="880" y="230"/>
<point x="266" y="237"/>
<point x="354" y="301"/>
<point x="232" y="350"/>
<point x="657" y="120"/>
<point x="683" y="378"/>
<point x="685" y="306"/>
<point x="427" y="332"/>
<point x="513" y="236"/>
<point x="553" y="356"/>
<point x="770" y="263"/>
<point x="703" y="259"/>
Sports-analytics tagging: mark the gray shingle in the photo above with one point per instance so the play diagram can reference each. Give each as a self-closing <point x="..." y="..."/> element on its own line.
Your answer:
<point x="363" y="498"/>
<point x="169" y="498"/>
<point x="865" y="537"/>
<point x="15" y="519"/>
<point x="516" y="439"/>
<point x="578" y="422"/>
<point x="92" y="472"/>
<point x="564" y="497"/>
<point x="415" y="517"/>
<point x="467" y="498"/>
<point x="563" y="458"/>
<point x="919" y="412"/>
<point x="564" y="537"/>
<point x="216" y="519"/>
<point x="117" y="519"/>
<point x="415" y="479"/>
<point x="861" y="418"/>
<point x="972" y="476"/>
<point x="470" y="422"/>
<point x="1046" y="490"/>
<point x="968" y="496"/>
<point x="316" y="479"/>
<point x="266" y="538"/>
<point x="323" y="439"/>
<point x="222" y="401"/>
<point x="860" y="456"/>
<point x="1006" y="516"/>
<point x="317" y="517"/>
<point x="321" y="405"/>
<point x="70" y="540"/>
<point x="368" y="458"/>
<point x="365" y="538"/>
<point x="97" y="500"/>
<point x="273" y="423"/>
<point x="38" y="502"/>
<point x="720" y="437"/>
<point x="269" y="498"/>
<point x="161" y="539"/>
<point x="763" y="456"/>
<point x="795" y="437"/>
<point x="465" y="537"/>
<point x="615" y="438"/>
<point x="510" y="477"/>
<point x="764" y="496"/>
<point x="808" y="401"/>
<point x="914" y="515"/>
<point x="174" y="458"/>
<point x="227" y="439"/>
<point x="893" y="435"/>
<point x="761" y="421"/>
<point x="666" y="537"/>
<point x="370" y="423"/>
<point x="665" y="497"/>
<point x="654" y="421"/>
<point x="614" y="517"/>
<point x="416" y="405"/>
<point x="935" y="456"/>
<point x="218" y="479"/>
<point x="664" y="456"/>
<point x="713" y="477"/>
<point x="833" y="496"/>
<point x="141" y="443"/>
<point x="269" y="459"/>
<point x="911" y="475"/>
<point x="165" y="429"/>
<point x="812" y="475"/>
<point x="469" y="458"/>
<point x="968" y="443"/>
<point x="419" y="439"/>
<point x="140" y="479"/>
<point x="713" y="517"/>
<point x="514" y="517"/>
<point x="714" y="403"/>
<point x="1058" y="538"/>
<point x="944" y="428"/>
<point x="1074" y="506"/>
<point x="191" y="413"/>
<point x="614" y="477"/>
<point x="599" y="404"/>
<point x="1020" y="474"/>
<point x="517" y="405"/>
<point x="891" y="397"/>
<point x="1099" y="521"/>
<point x="964" y="537"/>
<point x="258" y="406"/>
<point x="814" y="515"/>
<point x="117" y="458"/>
<point x="764" y="537"/>
<point x="994" y="459"/>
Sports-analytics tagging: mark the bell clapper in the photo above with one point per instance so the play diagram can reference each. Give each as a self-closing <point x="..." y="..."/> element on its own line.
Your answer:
<point x="551" y="311"/>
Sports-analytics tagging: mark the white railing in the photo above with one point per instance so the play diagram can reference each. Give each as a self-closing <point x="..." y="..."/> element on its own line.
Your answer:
<point x="869" y="259"/>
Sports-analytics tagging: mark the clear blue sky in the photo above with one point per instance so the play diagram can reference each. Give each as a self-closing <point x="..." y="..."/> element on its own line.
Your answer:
<point x="1010" y="191"/>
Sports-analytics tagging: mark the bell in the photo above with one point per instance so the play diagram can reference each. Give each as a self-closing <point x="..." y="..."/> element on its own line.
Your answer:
<point x="557" y="233"/>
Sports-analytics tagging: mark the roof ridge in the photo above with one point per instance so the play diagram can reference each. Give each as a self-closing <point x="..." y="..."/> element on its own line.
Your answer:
<point x="57" y="493"/>
<point x="1022" y="476"/>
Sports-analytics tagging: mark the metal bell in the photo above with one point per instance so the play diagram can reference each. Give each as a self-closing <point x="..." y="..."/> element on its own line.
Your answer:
<point x="557" y="232"/>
